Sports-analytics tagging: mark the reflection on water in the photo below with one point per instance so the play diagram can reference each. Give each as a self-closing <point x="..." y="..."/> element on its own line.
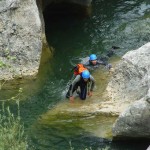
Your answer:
<point x="56" y="130"/>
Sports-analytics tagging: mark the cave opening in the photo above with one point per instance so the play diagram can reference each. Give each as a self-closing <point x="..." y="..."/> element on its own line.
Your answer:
<point x="64" y="31"/>
<point x="64" y="21"/>
<point x="63" y="11"/>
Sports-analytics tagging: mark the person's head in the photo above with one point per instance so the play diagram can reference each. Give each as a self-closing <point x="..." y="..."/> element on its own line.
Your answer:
<point x="93" y="59"/>
<point x="85" y="75"/>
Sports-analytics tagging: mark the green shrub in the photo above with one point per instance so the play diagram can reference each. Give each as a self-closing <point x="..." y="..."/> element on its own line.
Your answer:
<point x="12" y="135"/>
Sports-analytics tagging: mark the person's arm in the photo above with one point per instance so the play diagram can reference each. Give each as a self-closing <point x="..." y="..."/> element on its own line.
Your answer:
<point x="92" y="80"/>
<point x="87" y="65"/>
<point x="102" y="62"/>
<point x="92" y="83"/>
<point x="105" y="63"/>
<point x="77" y="79"/>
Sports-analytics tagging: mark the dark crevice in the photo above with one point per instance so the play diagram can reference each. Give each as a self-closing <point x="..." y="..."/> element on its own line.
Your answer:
<point x="64" y="10"/>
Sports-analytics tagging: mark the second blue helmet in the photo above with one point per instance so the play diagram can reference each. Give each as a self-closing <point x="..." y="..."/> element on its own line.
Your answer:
<point x="93" y="57"/>
<point x="85" y="74"/>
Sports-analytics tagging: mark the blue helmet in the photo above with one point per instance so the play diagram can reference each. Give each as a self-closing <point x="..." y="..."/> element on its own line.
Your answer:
<point x="85" y="74"/>
<point x="93" y="57"/>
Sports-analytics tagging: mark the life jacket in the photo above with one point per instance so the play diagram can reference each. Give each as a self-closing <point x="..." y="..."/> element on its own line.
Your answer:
<point x="78" y="69"/>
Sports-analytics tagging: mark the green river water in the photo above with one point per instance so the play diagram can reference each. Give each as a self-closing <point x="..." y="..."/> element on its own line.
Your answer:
<point x="113" y="22"/>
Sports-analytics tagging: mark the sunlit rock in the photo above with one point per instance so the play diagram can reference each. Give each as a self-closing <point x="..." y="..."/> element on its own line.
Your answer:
<point x="130" y="81"/>
<point x="134" y="122"/>
<point x="20" y="39"/>
<point x="130" y="84"/>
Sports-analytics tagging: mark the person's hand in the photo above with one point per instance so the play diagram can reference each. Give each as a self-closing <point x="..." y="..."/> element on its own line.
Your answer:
<point x="108" y="66"/>
<point x="71" y="98"/>
<point x="90" y="93"/>
<point x="111" y="71"/>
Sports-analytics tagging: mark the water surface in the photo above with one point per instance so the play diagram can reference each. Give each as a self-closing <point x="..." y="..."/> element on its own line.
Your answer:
<point x="121" y="23"/>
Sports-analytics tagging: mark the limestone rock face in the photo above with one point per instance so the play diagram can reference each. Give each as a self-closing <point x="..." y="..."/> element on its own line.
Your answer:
<point x="134" y="122"/>
<point x="130" y="81"/>
<point x="20" y="38"/>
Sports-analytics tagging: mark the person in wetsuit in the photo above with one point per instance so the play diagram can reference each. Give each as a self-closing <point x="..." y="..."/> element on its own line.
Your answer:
<point x="93" y="62"/>
<point x="85" y="82"/>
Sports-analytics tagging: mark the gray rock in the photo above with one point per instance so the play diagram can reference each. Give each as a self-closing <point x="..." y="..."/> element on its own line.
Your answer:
<point x="131" y="82"/>
<point x="134" y="122"/>
<point x="20" y="39"/>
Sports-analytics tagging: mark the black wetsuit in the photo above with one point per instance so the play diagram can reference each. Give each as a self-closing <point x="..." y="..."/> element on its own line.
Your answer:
<point x="91" y="67"/>
<point x="100" y="60"/>
<point x="84" y="86"/>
